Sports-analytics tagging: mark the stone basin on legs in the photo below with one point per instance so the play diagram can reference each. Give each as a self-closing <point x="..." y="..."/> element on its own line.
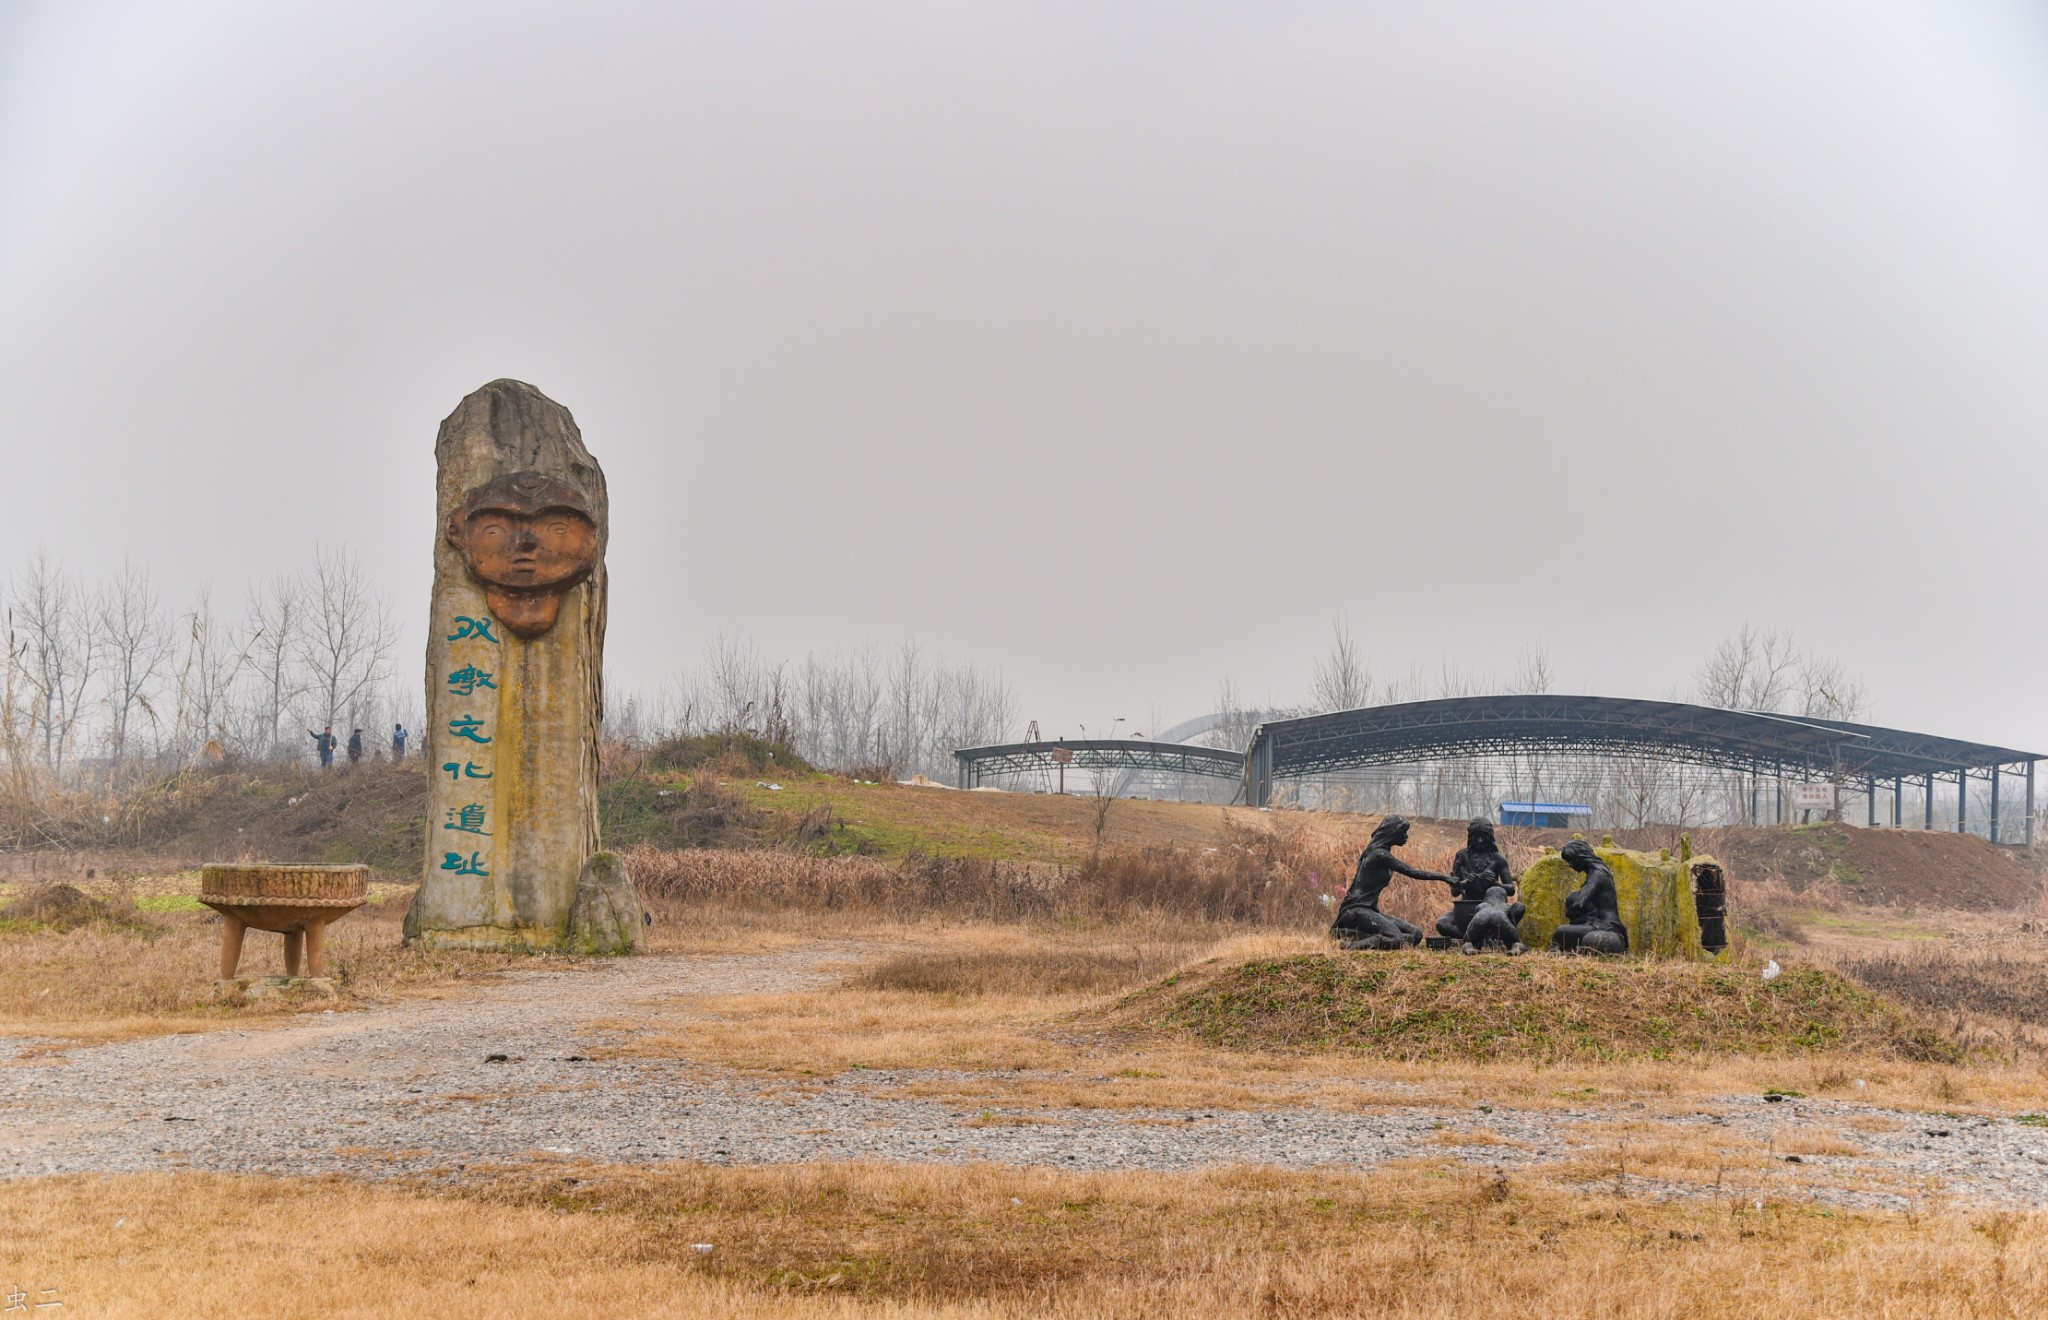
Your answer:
<point x="296" y="902"/>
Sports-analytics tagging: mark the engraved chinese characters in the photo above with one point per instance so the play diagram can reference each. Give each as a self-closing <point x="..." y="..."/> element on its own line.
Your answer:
<point x="464" y="836"/>
<point x="514" y="691"/>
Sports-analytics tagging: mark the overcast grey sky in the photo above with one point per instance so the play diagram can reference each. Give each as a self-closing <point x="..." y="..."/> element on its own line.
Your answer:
<point x="1120" y="347"/>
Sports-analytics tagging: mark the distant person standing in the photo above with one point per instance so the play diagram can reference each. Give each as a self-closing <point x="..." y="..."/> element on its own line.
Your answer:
<point x="355" y="746"/>
<point x="323" y="743"/>
<point x="398" y="742"/>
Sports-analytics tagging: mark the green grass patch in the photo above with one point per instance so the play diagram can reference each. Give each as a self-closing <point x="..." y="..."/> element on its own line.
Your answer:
<point x="1863" y="926"/>
<point x="1422" y="1006"/>
<point x="169" y="903"/>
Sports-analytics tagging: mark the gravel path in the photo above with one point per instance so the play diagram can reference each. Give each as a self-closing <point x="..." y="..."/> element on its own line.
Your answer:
<point x="408" y="1090"/>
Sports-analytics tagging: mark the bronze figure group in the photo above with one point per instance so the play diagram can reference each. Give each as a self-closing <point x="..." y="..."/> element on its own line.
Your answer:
<point x="1484" y="914"/>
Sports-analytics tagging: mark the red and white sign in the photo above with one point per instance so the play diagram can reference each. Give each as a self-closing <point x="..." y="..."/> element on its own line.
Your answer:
<point x="1063" y="755"/>
<point x="1812" y="797"/>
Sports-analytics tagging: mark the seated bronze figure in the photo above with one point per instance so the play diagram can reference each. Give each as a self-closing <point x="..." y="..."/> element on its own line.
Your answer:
<point x="1360" y="924"/>
<point x="1592" y="912"/>
<point x="1478" y="868"/>
<point x="1491" y="927"/>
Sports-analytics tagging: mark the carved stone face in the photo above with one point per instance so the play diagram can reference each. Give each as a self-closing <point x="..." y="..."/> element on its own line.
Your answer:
<point x="527" y="538"/>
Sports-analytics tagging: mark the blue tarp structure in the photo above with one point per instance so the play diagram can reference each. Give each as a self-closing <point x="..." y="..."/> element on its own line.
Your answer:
<point x="1546" y="815"/>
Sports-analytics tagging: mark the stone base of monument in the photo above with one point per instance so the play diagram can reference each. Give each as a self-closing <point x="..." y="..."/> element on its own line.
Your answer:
<point x="1672" y="906"/>
<point x="297" y="902"/>
<point x="271" y="987"/>
<point x="607" y="916"/>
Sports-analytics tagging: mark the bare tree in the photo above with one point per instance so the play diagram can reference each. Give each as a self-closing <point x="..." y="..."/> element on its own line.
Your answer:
<point x="206" y="675"/>
<point x="1827" y="691"/>
<point x="137" y="643"/>
<point x="275" y="618"/>
<point x="1235" y="729"/>
<point x="1750" y="671"/>
<point x="345" y="645"/>
<point x="59" y="649"/>
<point x="1532" y="669"/>
<point x="732" y="674"/>
<point x="1343" y="680"/>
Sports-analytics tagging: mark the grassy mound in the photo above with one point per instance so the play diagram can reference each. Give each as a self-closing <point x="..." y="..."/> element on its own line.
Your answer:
<point x="1431" y="1006"/>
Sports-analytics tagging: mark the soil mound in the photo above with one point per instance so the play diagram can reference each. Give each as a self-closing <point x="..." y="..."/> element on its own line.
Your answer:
<point x="1920" y="868"/>
<point x="1419" y="1006"/>
<point x="61" y="906"/>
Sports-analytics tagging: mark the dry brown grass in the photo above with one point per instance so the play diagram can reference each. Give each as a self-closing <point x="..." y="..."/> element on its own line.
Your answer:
<point x="1996" y="998"/>
<point x="1422" y="1240"/>
<point x="123" y="974"/>
<point x="1420" y="1005"/>
<point x="1024" y="1046"/>
<point x="1030" y="971"/>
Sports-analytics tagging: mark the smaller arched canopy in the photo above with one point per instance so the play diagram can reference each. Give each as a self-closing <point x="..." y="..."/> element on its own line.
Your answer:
<point x="1097" y="754"/>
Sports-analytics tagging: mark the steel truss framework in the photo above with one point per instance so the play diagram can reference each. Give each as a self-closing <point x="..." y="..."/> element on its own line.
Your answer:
<point x="1766" y="746"/>
<point x="975" y="763"/>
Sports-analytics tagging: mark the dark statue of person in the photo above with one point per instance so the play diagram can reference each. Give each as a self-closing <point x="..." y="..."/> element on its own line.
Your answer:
<point x="1360" y="924"/>
<point x="1492" y="926"/>
<point x="1592" y="912"/>
<point x="1479" y="867"/>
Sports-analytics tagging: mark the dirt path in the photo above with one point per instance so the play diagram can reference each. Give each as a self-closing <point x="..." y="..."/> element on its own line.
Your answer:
<point x="412" y="1089"/>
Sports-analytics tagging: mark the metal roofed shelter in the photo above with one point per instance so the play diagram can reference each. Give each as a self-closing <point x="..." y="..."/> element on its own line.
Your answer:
<point x="974" y="763"/>
<point x="1547" y="815"/>
<point x="1758" y="743"/>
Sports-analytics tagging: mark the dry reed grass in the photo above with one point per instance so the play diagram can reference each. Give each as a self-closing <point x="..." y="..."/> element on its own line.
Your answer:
<point x="839" y="1240"/>
<point x="1286" y="875"/>
<point x="1995" y="1000"/>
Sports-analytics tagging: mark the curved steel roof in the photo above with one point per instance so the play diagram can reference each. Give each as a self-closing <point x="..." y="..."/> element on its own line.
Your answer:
<point x="1671" y="730"/>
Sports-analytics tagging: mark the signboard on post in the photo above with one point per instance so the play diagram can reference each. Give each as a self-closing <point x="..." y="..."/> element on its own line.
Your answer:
<point x="1811" y="797"/>
<point x="1063" y="755"/>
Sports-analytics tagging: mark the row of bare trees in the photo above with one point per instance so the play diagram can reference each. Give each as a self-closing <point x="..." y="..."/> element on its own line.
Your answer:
<point x="898" y="713"/>
<point x="104" y="681"/>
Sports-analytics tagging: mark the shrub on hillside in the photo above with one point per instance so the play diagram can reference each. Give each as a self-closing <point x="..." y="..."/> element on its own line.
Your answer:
<point x="735" y="753"/>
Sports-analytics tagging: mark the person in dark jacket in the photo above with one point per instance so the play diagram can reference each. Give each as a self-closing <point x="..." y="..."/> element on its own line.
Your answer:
<point x="1360" y="924"/>
<point x="355" y="746"/>
<point x="324" y="744"/>
<point x="1592" y="912"/>
<point x="398" y="742"/>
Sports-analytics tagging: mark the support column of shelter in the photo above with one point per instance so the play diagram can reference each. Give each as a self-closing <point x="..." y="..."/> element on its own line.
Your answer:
<point x="1995" y="776"/>
<point x="1962" y="800"/>
<point x="1898" y="802"/>
<point x="2030" y="804"/>
<point x="1870" y="801"/>
<point x="1927" y="800"/>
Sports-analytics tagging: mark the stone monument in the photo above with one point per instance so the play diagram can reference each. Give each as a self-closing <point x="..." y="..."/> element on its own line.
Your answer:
<point x="515" y="688"/>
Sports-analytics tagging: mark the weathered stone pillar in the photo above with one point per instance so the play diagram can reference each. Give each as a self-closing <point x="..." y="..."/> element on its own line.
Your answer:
<point x="515" y="688"/>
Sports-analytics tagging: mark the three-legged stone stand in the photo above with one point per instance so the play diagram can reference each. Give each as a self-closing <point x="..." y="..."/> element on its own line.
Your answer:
<point x="305" y="947"/>
<point x="296" y="902"/>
